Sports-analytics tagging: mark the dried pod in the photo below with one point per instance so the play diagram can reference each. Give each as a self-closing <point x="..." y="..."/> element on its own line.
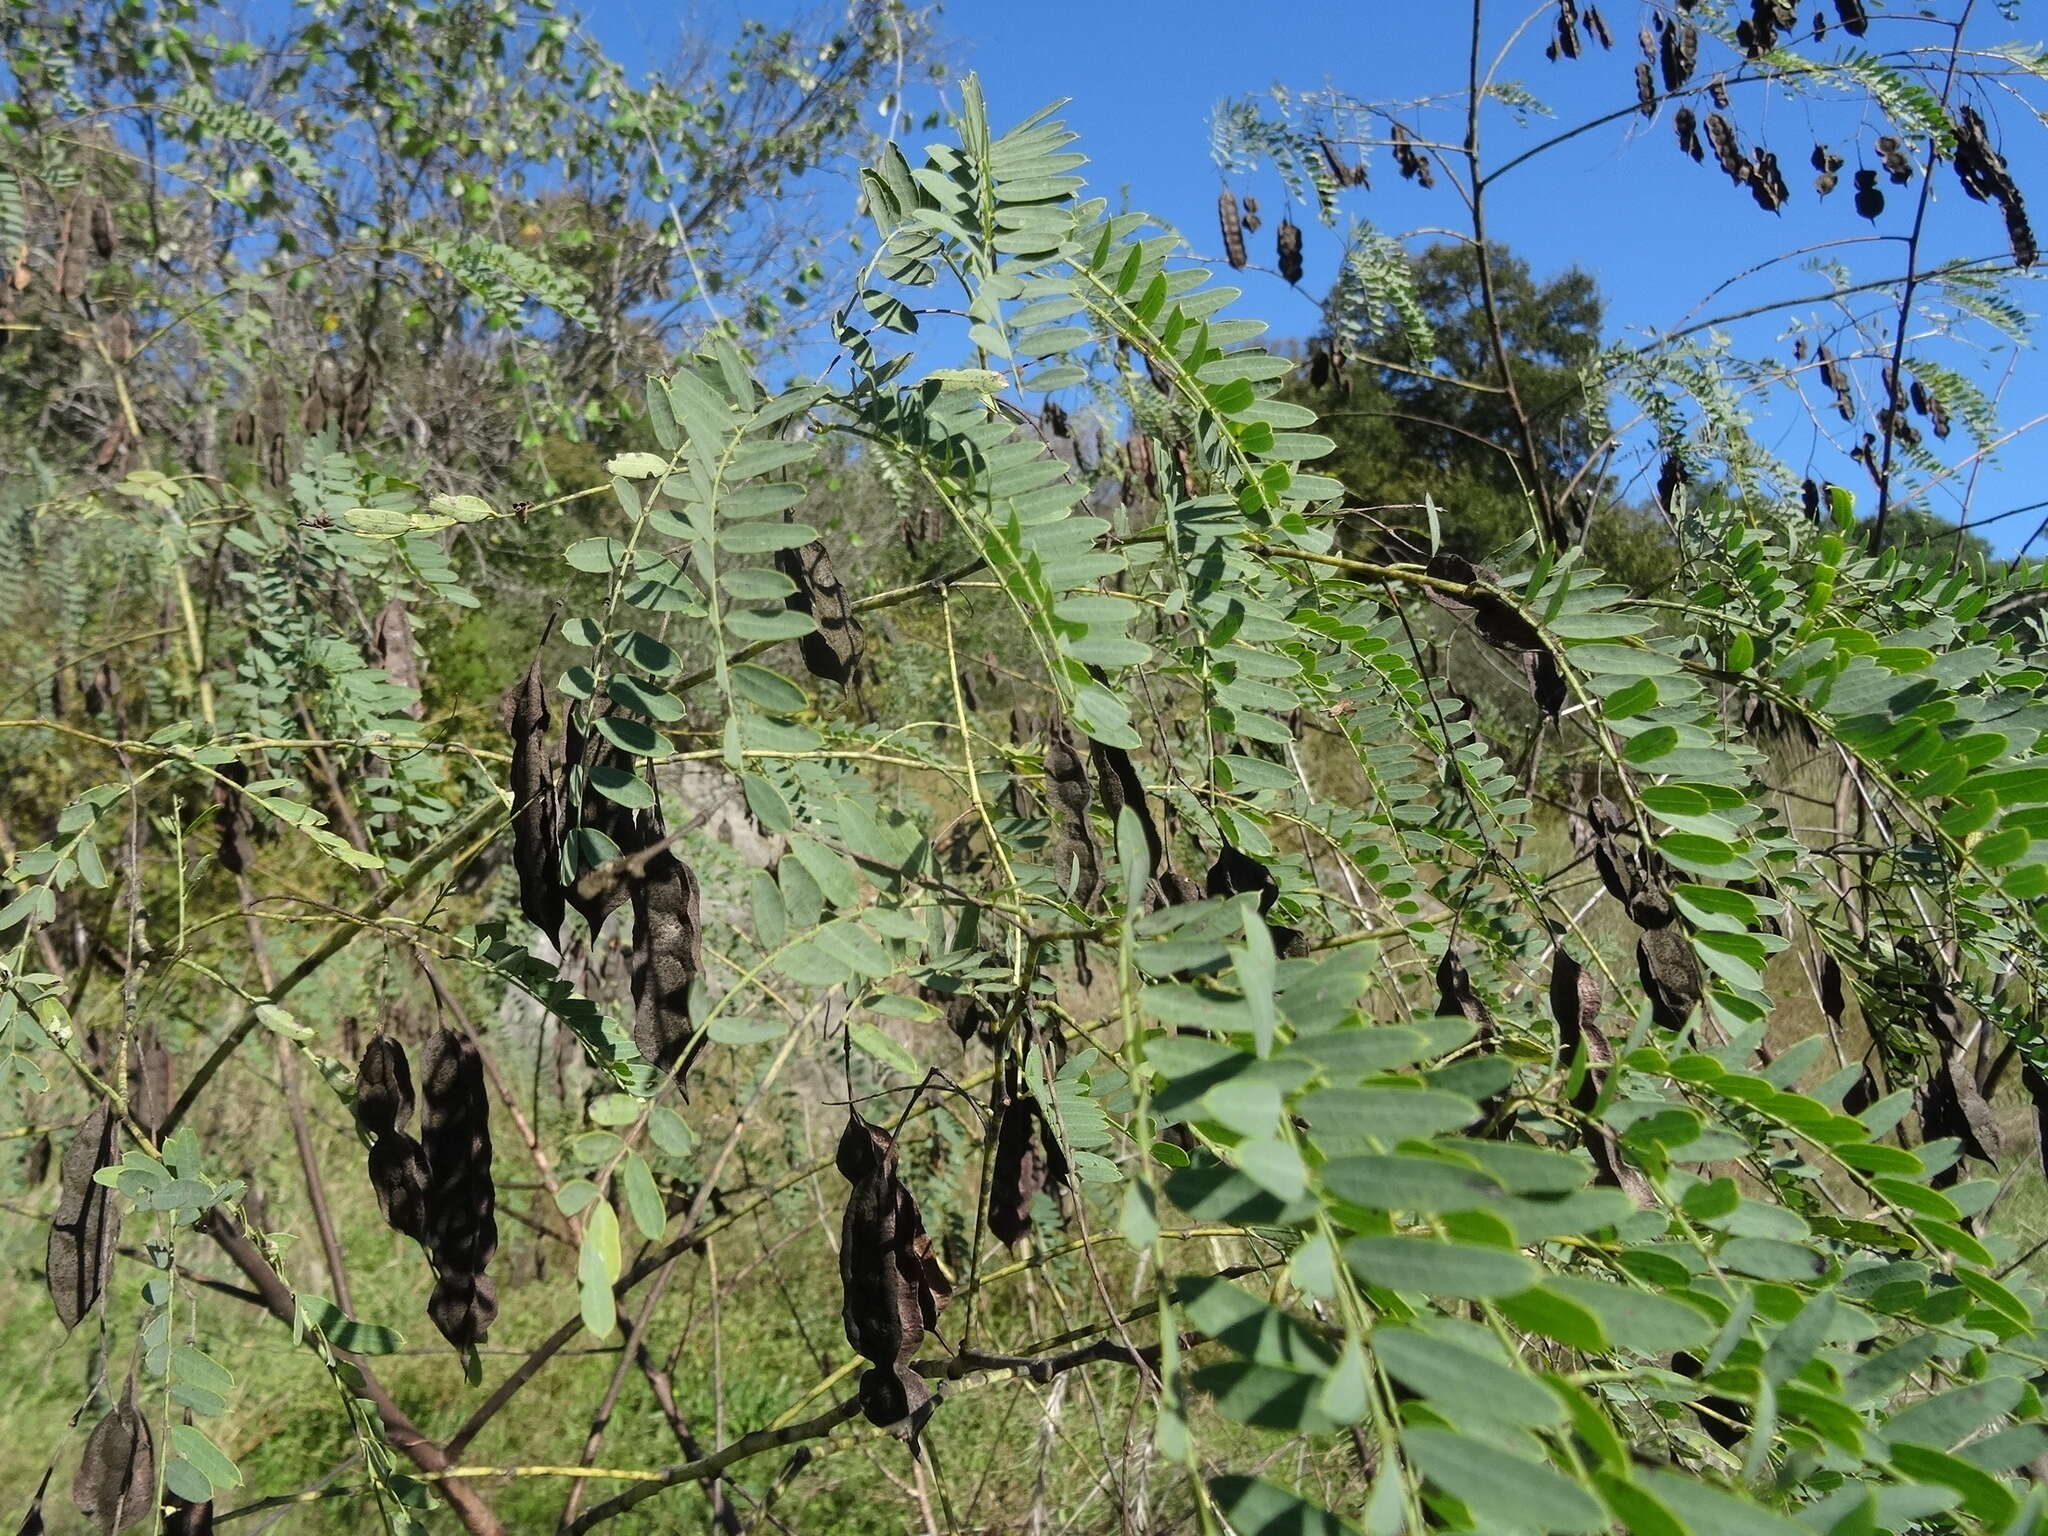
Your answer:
<point x="1596" y="27"/>
<point x="832" y="651"/>
<point x="1766" y="181"/>
<point x="1952" y="1105"/>
<point x="1567" y="30"/>
<point x="398" y="1164"/>
<point x="891" y="1284"/>
<point x="536" y="800"/>
<point x="104" y="238"/>
<point x="1251" y="214"/>
<point x="237" y="817"/>
<point x="118" y="337"/>
<point x="1678" y="55"/>
<point x="1717" y="93"/>
<point x="1646" y="91"/>
<point x="1897" y="168"/>
<point x="1851" y="14"/>
<point x="1869" y="201"/>
<point x="1236" y="873"/>
<point x="1414" y="165"/>
<point x="1670" y="974"/>
<point x="1670" y="476"/>
<point x="80" y="1255"/>
<point x="1820" y="27"/>
<point x="186" y="1518"/>
<point x="2036" y="1083"/>
<point x="1721" y="135"/>
<point x="1071" y="852"/>
<point x="1455" y="998"/>
<point x="1054" y="415"/>
<point x="1118" y="785"/>
<point x="1028" y="1158"/>
<point x="1343" y="173"/>
<point x="462" y="1228"/>
<point x="1287" y="246"/>
<point x="1688" y="127"/>
<point x="1574" y="1005"/>
<point x="115" y="1486"/>
<point x="1502" y="625"/>
<point x="668" y="953"/>
<point x="35" y="1162"/>
<point x="1809" y="500"/>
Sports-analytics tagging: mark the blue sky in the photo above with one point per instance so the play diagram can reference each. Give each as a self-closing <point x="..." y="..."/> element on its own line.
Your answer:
<point x="1656" y="231"/>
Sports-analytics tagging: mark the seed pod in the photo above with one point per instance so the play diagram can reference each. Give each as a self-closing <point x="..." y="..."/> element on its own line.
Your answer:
<point x="1952" y="1105"/>
<point x="1118" y="785"/>
<point x="398" y="1164"/>
<point x="1869" y="201"/>
<point x="1343" y="173"/>
<point x="1670" y="476"/>
<point x="101" y="219"/>
<point x="536" y="800"/>
<point x="1455" y="998"/>
<point x="236" y="816"/>
<point x="393" y="649"/>
<point x="35" y="1163"/>
<point x="1574" y="1005"/>
<point x="462" y="1228"/>
<point x="832" y="651"/>
<point x="1596" y="27"/>
<point x="1670" y="974"/>
<point x="1414" y="165"/>
<point x="1028" y="1157"/>
<point x="1501" y="625"/>
<point x="1646" y="91"/>
<point x="668" y="952"/>
<point x="1288" y="247"/>
<point x="1235" y="873"/>
<point x="1678" y="54"/>
<point x="115" y="1486"/>
<point x="1251" y="215"/>
<point x="1766" y="181"/>
<point x="1076" y="866"/>
<point x="1820" y="27"/>
<point x="2036" y="1083"/>
<point x="83" y="1233"/>
<point x="1055" y="418"/>
<point x="891" y="1284"/>
<point x="1897" y="168"/>
<point x="597" y="894"/>
<point x="1721" y="135"/>
<point x="1688" y="129"/>
<point x="118" y="337"/>
<point x="1851" y="14"/>
<point x="1832" y="1002"/>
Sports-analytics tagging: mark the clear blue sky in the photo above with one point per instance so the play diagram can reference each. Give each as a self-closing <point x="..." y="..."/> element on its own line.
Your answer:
<point x="1656" y="231"/>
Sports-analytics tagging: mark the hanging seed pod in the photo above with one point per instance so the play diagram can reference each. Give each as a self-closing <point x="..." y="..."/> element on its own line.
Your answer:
<point x="1869" y="201"/>
<point x="1820" y="27"/>
<point x="1414" y="165"/>
<point x="1717" y="92"/>
<point x="1646" y="91"/>
<point x="1288" y="249"/>
<point x="1501" y="625"/>
<point x="1028" y="1158"/>
<point x="1670" y="974"/>
<point x="1076" y="866"/>
<point x="1897" y="168"/>
<point x="536" y="799"/>
<point x="668" y="953"/>
<point x="1670" y="476"/>
<point x="832" y="651"/>
<point x="118" y="337"/>
<point x="1766" y="182"/>
<point x="115" y="1486"/>
<point x="1118" y="785"/>
<point x="398" y="1165"/>
<point x="1832" y="1002"/>
<point x="1952" y="1105"/>
<point x="1596" y="27"/>
<point x="1455" y="998"/>
<point x="1721" y="134"/>
<point x="1688" y="128"/>
<point x="890" y="1281"/>
<point x="1809" y="500"/>
<point x="2036" y="1083"/>
<point x="35" y="1163"/>
<point x="235" y="815"/>
<point x="187" y="1518"/>
<point x="1251" y="214"/>
<point x="1054" y="416"/>
<point x="462" y="1228"/>
<point x="2025" y="250"/>
<point x="1343" y="173"/>
<point x="1678" y="55"/>
<point x="1318" y="368"/>
<point x="83" y="1233"/>
<point x="104" y="238"/>
<point x="1567" y="30"/>
<point x="1829" y="164"/>
<point x="1574" y="1005"/>
<point x="1236" y="873"/>
<point x="1852" y="16"/>
<point x="71" y="257"/>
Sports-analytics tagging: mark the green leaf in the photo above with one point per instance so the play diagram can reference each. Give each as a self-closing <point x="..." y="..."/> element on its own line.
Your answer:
<point x="871" y="1042"/>
<point x="1436" y="1267"/>
<point x="598" y="1263"/>
<point x="1464" y="1384"/>
<point x="643" y="1198"/>
<point x="1499" y="1486"/>
<point x="1256" y="1507"/>
<point x="207" y="1459"/>
<point x="344" y="1332"/>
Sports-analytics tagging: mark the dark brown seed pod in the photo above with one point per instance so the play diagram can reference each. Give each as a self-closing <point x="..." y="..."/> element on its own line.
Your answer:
<point x="1118" y="785"/>
<point x="187" y="1518"/>
<point x="1688" y="128"/>
<point x="1076" y="864"/>
<point x="1869" y="201"/>
<point x="1820" y="27"/>
<point x="1343" y="173"/>
<point x="104" y="238"/>
<point x="83" y="1233"/>
<point x="236" y="816"/>
<point x="1721" y="135"/>
<point x="1567" y="42"/>
<point x="1251" y="214"/>
<point x="597" y="893"/>
<point x="1455" y="997"/>
<point x="1766" y="181"/>
<point x="2036" y="1083"/>
<point x="35" y="1163"/>
<point x="1501" y="625"/>
<point x="1832" y="1002"/>
<point x="398" y="1164"/>
<point x="1288" y="250"/>
<point x="668" y="952"/>
<point x="1951" y="1104"/>
<point x="832" y="651"/>
<point x="1646" y="91"/>
<point x="536" y="800"/>
<point x="115" y="1486"/>
<point x="1596" y="27"/>
<point x="1236" y="873"/>
<point x="462" y="1228"/>
<point x="1670" y="974"/>
<point x="1028" y="1158"/>
<point x="1678" y="54"/>
<point x="1055" y="418"/>
<point x="1574" y="1005"/>
<point x="1717" y="92"/>
<point x="1852" y="16"/>
<point x="1413" y="164"/>
<point x="891" y="1284"/>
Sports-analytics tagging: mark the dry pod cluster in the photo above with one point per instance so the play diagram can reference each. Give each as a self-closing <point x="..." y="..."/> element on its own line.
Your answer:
<point x="436" y="1190"/>
<point x="1237" y="873"/>
<point x="1251" y="215"/>
<point x="1982" y="171"/>
<point x="668" y="948"/>
<point x="1646" y="91"/>
<point x="832" y="651"/>
<point x="891" y="1284"/>
<point x="83" y="1233"/>
<point x="1502" y="625"/>
<point x="1566" y="41"/>
<point x="1028" y="1158"/>
<point x="1678" y="54"/>
<point x="1869" y="200"/>
<point x="1829" y="164"/>
<point x="1287" y="247"/>
<point x="1343" y="173"/>
<point x="1413" y="164"/>
<point x="1852" y="16"/>
<point x="1687" y="125"/>
<point x="1836" y="382"/>
<point x="1637" y="877"/>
